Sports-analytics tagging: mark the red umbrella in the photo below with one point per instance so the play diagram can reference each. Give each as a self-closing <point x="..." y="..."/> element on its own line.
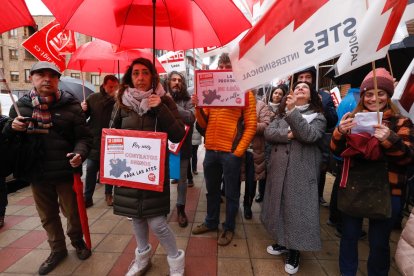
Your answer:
<point x="78" y="188"/>
<point x="14" y="13"/>
<point x="99" y="56"/>
<point x="180" y="24"/>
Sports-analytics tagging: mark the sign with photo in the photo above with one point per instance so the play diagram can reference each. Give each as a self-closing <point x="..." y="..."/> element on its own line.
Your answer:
<point x="218" y="88"/>
<point x="132" y="158"/>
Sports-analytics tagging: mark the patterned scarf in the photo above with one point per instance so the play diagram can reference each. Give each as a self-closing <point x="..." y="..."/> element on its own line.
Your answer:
<point x="41" y="112"/>
<point x="138" y="100"/>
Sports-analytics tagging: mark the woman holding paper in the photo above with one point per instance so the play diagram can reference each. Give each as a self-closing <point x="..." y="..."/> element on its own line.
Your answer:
<point x="138" y="107"/>
<point x="395" y="137"/>
<point x="290" y="211"/>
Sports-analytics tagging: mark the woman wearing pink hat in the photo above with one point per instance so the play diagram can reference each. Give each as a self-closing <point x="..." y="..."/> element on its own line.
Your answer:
<point x="396" y="143"/>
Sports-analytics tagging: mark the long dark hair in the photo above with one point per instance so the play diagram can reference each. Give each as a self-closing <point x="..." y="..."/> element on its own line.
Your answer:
<point x="282" y="87"/>
<point x="183" y="95"/>
<point x="127" y="78"/>
<point x="315" y="102"/>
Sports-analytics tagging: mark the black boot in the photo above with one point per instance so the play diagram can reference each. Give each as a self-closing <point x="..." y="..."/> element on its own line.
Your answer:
<point x="182" y="217"/>
<point x="52" y="261"/>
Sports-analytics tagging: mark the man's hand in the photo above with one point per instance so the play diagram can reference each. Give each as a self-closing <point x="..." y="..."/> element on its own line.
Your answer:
<point x="19" y="124"/>
<point x="84" y="106"/>
<point x="75" y="159"/>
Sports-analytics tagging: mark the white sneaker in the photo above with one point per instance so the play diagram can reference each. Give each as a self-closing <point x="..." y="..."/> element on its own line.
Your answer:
<point x="292" y="262"/>
<point x="276" y="249"/>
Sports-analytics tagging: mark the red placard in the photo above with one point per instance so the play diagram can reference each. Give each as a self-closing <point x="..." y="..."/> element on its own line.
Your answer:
<point x="133" y="158"/>
<point x="50" y="42"/>
<point x="175" y="147"/>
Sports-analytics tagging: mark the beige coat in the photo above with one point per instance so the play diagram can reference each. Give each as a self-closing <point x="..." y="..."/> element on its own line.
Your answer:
<point x="404" y="256"/>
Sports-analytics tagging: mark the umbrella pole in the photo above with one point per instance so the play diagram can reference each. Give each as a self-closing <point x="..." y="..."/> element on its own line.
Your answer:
<point x="83" y="87"/>
<point x="376" y="91"/>
<point x="153" y="44"/>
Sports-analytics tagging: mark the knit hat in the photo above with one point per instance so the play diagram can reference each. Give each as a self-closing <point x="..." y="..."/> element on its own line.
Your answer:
<point x="384" y="81"/>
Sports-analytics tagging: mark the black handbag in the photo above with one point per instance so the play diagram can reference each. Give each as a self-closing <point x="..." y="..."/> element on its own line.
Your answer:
<point x="367" y="193"/>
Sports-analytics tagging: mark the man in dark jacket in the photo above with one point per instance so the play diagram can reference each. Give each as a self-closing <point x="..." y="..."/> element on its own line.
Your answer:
<point x="177" y="89"/>
<point x="331" y="117"/>
<point x="98" y="108"/>
<point x="53" y="120"/>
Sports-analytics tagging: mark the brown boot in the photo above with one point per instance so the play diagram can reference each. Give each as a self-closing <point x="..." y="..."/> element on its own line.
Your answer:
<point x="109" y="199"/>
<point x="182" y="218"/>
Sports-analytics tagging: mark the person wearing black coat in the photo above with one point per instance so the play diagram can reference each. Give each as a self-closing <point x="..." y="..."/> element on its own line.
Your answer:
<point x="53" y="122"/>
<point x="138" y="107"/>
<point x="98" y="108"/>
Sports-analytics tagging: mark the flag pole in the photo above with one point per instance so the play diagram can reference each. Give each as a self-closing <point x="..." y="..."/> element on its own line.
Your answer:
<point x="376" y="91"/>
<point x="389" y="64"/>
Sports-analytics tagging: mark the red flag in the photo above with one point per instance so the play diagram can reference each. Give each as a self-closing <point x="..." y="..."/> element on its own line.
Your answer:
<point x="50" y="42"/>
<point x="14" y="14"/>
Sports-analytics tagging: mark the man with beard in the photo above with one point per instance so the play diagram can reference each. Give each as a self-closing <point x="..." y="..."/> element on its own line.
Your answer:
<point x="98" y="108"/>
<point x="176" y="87"/>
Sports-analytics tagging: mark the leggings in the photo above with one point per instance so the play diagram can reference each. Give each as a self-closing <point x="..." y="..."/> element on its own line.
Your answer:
<point x="160" y="228"/>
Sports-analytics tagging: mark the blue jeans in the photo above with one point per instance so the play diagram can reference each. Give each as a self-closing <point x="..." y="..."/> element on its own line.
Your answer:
<point x="379" y="246"/>
<point x="92" y="169"/>
<point x="218" y="164"/>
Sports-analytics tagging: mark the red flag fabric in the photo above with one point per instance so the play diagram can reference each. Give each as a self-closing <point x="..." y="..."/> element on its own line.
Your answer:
<point x="14" y="14"/>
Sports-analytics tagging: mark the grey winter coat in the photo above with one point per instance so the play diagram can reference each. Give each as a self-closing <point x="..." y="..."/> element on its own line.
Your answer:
<point x="140" y="203"/>
<point x="290" y="211"/>
<point x="186" y="111"/>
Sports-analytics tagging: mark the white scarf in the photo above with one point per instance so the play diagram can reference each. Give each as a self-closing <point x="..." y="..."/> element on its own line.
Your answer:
<point x="138" y="100"/>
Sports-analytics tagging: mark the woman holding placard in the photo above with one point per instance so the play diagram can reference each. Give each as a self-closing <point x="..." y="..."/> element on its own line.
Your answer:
<point x="138" y="107"/>
<point x="382" y="167"/>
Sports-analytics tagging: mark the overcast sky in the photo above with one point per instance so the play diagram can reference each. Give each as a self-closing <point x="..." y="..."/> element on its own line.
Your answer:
<point x="36" y="7"/>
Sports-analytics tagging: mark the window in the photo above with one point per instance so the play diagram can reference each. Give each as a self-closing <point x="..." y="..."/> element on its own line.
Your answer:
<point x="13" y="33"/>
<point x="95" y="80"/>
<point x="13" y="53"/>
<point x="28" y="55"/>
<point x="28" y="31"/>
<point x="27" y="75"/>
<point x="14" y="76"/>
<point x="75" y="75"/>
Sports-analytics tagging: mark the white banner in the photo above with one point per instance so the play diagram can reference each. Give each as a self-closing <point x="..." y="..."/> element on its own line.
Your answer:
<point x="373" y="36"/>
<point x="404" y="93"/>
<point x="285" y="40"/>
<point x="173" y="61"/>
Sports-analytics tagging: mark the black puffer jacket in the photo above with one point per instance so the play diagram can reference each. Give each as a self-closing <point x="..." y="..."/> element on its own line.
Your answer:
<point x="99" y="111"/>
<point x="139" y="203"/>
<point x="69" y="133"/>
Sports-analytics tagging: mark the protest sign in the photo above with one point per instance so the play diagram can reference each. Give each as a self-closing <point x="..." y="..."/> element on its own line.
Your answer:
<point x="133" y="158"/>
<point x="175" y="147"/>
<point x="218" y="88"/>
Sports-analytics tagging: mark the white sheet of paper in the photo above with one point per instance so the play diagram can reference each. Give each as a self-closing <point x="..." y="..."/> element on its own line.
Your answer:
<point x="365" y="122"/>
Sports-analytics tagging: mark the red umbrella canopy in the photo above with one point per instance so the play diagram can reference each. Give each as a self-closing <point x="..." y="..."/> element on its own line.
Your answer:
<point x="180" y="24"/>
<point x="99" y="56"/>
<point x="14" y="14"/>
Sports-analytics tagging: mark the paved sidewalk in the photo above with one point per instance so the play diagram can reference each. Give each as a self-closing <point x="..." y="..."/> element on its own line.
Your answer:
<point x="23" y="245"/>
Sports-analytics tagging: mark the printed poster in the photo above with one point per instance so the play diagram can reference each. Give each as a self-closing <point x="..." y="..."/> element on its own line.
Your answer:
<point x="218" y="88"/>
<point x="133" y="158"/>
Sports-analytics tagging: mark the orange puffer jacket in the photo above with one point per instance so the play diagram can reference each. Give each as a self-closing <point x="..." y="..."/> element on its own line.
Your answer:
<point x="223" y="127"/>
